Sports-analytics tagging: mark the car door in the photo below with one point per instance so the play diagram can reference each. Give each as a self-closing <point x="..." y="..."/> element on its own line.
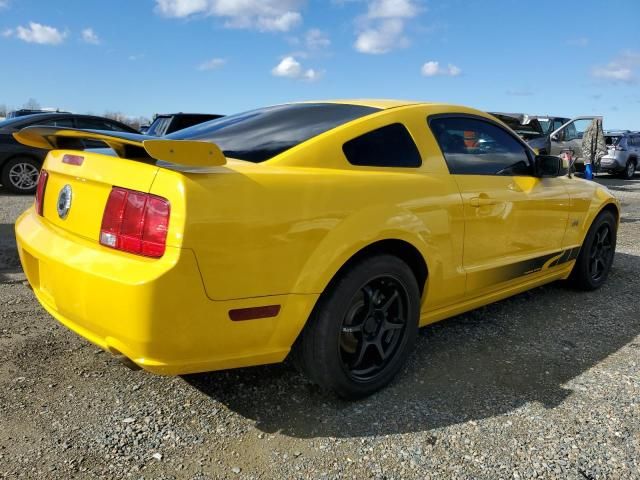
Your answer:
<point x="514" y="221"/>
<point x="569" y="137"/>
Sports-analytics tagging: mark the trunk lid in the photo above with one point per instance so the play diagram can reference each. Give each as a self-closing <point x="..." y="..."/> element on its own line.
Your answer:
<point x="89" y="184"/>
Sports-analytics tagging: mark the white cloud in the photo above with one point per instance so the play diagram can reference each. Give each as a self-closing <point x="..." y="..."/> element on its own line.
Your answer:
<point x="383" y="38"/>
<point x="89" y="36"/>
<point x="311" y="75"/>
<point x="263" y="15"/>
<point x="613" y="72"/>
<point x="578" y="42"/>
<point x="316" y="39"/>
<point x="622" y="69"/>
<point x="37" y="33"/>
<point x="279" y="23"/>
<point x="7" y="33"/>
<point x="392" y="9"/>
<point x="4" y="4"/>
<point x="433" y="69"/>
<point x="382" y="28"/>
<point x="213" y="64"/>
<point x="289" y="67"/>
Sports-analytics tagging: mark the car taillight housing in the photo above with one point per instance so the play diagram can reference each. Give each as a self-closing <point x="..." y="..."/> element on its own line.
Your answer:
<point x="135" y="222"/>
<point x="42" y="185"/>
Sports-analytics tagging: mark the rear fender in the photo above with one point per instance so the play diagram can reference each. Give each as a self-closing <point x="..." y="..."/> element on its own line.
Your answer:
<point x="369" y="226"/>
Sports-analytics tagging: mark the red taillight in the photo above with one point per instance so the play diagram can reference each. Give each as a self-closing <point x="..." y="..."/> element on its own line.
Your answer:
<point x="42" y="184"/>
<point x="135" y="222"/>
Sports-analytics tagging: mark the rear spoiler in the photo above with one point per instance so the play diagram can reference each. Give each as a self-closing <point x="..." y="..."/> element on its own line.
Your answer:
<point x="126" y="145"/>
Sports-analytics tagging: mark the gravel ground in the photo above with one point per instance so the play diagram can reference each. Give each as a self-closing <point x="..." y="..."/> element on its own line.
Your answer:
<point x="542" y="385"/>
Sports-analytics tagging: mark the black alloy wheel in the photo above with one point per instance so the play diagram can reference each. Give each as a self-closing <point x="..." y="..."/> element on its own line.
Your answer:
<point x="601" y="252"/>
<point x="596" y="254"/>
<point x="372" y="327"/>
<point x="362" y="328"/>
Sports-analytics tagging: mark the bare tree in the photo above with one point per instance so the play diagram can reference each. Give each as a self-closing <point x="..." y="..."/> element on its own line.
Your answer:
<point x="32" y="104"/>
<point x="134" y="122"/>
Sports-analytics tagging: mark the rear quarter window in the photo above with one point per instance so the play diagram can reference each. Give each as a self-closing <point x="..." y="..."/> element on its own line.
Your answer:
<point x="389" y="146"/>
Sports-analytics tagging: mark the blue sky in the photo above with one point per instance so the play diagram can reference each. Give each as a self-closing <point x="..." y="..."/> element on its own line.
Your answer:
<point x="141" y="57"/>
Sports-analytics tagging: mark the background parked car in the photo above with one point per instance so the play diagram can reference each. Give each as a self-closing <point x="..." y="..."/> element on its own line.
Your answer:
<point x="28" y="111"/>
<point x="172" y="122"/>
<point x="20" y="165"/>
<point x="550" y="135"/>
<point x="531" y="126"/>
<point x="623" y="153"/>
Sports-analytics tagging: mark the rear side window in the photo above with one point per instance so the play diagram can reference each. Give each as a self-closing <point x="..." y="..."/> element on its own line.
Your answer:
<point x="260" y="135"/>
<point x="476" y="147"/>
<point x="58" y="122"/>
<point x="159" y="126"/>
<point x="390" y="146"/>
<point x="612" y="140"/>
<point x="95" y="124"/>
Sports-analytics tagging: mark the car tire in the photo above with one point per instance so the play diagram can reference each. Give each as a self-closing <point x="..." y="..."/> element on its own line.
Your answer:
<point x="629" y="170"/>
<point x="20" y="175"/>
<point x="596" y="254"/>
<point x="362" y="328"/>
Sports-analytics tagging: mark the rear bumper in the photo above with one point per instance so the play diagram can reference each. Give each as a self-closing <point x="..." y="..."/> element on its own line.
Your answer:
<point x="611" y="163"/>
<point x="154" y="312"/>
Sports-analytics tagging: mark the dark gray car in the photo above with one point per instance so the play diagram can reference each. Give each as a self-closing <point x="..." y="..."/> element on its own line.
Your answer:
<point x="20" y="165"/>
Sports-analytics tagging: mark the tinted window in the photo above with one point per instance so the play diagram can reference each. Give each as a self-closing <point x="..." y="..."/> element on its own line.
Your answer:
<point x="58" y="122"/>
<point x="186" y="121"/>
<point x="476" y="147"/>
<point x="93" y="124"/>
<point x="390" y="146"/>
<point x="261" y="134"/>
<point x="612" y="140"/>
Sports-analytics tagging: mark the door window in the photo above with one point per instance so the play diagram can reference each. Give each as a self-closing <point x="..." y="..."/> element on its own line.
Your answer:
<point x="575" y="130"/>
<point x="477" y="147"/>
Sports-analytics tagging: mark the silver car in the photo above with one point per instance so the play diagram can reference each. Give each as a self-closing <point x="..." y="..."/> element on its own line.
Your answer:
<point x="623" y="153"/>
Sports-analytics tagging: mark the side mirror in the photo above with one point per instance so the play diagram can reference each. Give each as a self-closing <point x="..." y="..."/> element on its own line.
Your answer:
<point x="548" y="166"/>
<point x="555" y="137"/>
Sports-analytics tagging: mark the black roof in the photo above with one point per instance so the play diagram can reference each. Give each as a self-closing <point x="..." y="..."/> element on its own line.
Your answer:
<point x="26" y="120"/>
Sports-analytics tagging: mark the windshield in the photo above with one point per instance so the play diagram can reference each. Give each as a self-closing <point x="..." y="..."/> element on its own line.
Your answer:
<point x="613" y="139"/>
<point x="545" y="124"/>
<point x="258" y="135"/>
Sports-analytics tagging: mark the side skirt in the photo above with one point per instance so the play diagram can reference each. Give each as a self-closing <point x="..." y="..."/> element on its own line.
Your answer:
<point x="433" y="316"/>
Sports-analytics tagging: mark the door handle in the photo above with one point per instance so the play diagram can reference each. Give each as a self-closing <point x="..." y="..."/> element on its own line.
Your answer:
<point x="482" y="201"/>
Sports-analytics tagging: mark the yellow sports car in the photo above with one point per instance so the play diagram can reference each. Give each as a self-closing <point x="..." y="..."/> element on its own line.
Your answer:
<point x="331" y="230"/>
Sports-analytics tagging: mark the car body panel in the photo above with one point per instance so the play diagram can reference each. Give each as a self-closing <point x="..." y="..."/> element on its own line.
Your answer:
<point x="248" y="234"/>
